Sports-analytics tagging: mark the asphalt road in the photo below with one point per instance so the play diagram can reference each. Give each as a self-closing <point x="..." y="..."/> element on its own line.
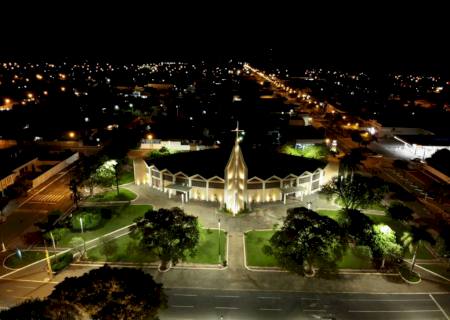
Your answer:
<point x="202" y="304"/>
<point x="52" y="195"/>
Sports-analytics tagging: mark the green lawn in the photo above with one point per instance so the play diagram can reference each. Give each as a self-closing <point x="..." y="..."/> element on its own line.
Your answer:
<point x="254" y="242"/>
<point x="128" y="250"/>
<point x="422" y="253"/>
<point x="125" y="217"/>
<point x="356" y="258"/>
<point x="27" y="257"/>
<point x="333" y="214"/>
<point x="376" y="206"/>
<point x="124" y="195"/>
<point x="441" y="268"/>
<point x="126" y="177"/>
<point x="208" y="247"/>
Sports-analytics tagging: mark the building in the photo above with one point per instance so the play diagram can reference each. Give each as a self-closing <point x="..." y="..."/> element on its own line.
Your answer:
<point x="234" y="181"/>
<point x="423" y="146"/>
<point x="34" y="170"/>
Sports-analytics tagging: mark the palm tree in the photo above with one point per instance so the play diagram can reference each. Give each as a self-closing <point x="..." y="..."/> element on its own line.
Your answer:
<point x="413" y="239"/>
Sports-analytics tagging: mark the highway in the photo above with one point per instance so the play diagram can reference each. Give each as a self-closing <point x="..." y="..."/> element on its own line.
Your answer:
<point x="205" y="304"/>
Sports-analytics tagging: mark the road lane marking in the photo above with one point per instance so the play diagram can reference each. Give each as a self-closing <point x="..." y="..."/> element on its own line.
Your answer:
<point x="24" y="287"/>
<point x="184" y="295"/>
<point x="178" y="306"/>
<point x="310" y="299"/>
<point x="227" y="308"/>
<point x="314" y="310"/>
<point x="226" y="296"/>
<point x="393" y="311"/>
<point x="385" y="300"/>
<point x="276" y="298"/>
<point x="439" y="306"/>
<point x="269" y="309"/>
<point x="309" y="292"/>
<point x="9" y="290"/>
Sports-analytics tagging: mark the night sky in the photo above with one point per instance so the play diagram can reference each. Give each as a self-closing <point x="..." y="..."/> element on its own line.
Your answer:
<point x="369" y="36"/>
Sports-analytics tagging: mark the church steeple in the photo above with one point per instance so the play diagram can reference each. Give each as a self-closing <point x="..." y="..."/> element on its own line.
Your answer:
<point x="236" y="178"/>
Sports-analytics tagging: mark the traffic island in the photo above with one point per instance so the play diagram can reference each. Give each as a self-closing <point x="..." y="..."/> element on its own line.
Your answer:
<point x="409" y="276"/>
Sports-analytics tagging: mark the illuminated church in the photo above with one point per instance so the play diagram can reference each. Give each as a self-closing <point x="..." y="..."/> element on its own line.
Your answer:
<point x="208" y="176"/>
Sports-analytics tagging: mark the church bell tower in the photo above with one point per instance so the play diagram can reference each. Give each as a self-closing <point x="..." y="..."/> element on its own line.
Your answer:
<point x="236" y="178"/>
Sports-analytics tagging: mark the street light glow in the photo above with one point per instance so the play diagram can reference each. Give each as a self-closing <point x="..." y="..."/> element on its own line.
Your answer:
<point x="385" y="229"/>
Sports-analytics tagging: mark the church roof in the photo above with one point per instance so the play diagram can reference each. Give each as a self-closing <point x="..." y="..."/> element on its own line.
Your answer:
<point x="260" y="163"/>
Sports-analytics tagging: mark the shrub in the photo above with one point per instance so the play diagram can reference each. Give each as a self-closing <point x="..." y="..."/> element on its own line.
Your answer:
<point x="58" y="234"/>
<point x="106" y="213"/>
<point x="90" y="221"/>
<point x="59" y="263"/>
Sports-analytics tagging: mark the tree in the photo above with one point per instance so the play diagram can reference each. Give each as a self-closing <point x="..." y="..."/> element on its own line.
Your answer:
<point x="117" y="168"/>
<point x="49" y="221"/>
<point x="356" y="137"/>
<point x="384" y="244"/>
<point x="350" y="162"/>
<point x="105" y="174"/>
<point x="354" y="192"/>
<point x="306" y="240"/>
<point x="413" y="239"/>
<point x="170" y="233"/>
<point x="73" y="186"/>
<point x="399" y="211"/>
<point x="108" y="247"/>
<point x="46" y="309"/>
<point x="440" y="160"/>
<point x="113" y="293"/>
<point x="358" y="226"/>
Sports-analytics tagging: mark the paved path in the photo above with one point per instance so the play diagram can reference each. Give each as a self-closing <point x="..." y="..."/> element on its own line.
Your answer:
<point x="236" y="251"/>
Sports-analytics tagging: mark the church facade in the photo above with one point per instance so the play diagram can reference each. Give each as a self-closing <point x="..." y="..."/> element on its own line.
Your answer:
<point x="234" y="190"/>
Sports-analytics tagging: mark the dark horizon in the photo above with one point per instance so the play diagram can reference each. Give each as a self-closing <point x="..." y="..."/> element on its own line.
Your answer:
<point x="377" y="37"/>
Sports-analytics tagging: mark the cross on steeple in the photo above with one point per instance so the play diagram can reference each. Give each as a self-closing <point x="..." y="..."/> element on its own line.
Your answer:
<point x="237" y="131"/>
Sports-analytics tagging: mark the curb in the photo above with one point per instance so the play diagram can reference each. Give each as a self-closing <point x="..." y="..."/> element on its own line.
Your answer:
<point x="410" y="282"/>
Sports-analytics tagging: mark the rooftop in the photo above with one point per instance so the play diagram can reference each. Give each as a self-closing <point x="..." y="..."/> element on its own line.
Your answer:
<point x="212" y="162"/>
<point x="425" y="140"/>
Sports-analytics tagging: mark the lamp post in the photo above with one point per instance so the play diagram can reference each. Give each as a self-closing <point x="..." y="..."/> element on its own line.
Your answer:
<point x="81" y="224"/>
<point x="84" y="241"/>
<point x="220" y="255"/>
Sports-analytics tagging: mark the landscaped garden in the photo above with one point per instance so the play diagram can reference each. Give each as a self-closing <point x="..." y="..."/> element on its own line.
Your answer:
<point x="254" y="243"/>
<point x="28" y="257"/>
<point x="397" y="226"/>
<point x="126" y="177"/>
<point x="124" y="195"/>
<point x="354" y="258"/>
<point x="109" y="221"/>
<point x="127" y="249"/>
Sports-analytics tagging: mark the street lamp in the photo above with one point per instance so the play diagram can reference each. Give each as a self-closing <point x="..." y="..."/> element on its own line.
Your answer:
<point x="84" y="241"/>
<point x="220" y="255"/>
<point x="81" y="224"/>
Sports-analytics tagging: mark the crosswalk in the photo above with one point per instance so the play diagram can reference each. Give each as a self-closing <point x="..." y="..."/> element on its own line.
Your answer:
<point x="47" y="198"/>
